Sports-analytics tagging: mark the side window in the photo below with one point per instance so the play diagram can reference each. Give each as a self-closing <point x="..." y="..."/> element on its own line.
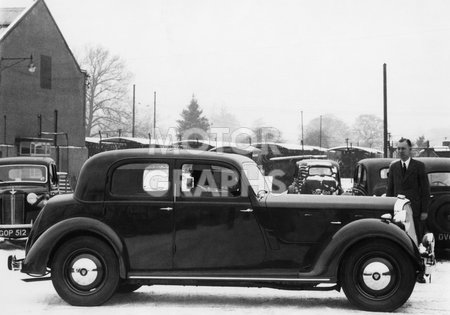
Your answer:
<point x="141" y="179"/>
<point x="53" y="175"/>
<point x="357" y="174"/>
<point x="363" y="176"/>
<point x="209" y="180"/>
<point x="384" y="173"/>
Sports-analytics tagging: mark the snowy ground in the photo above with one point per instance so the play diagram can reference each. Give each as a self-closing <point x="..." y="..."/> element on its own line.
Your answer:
<point x="18" y="297"/>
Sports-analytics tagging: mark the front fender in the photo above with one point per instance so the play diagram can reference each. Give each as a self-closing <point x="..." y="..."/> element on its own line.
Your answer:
<point x="327" y="265"/>
<point x="38" y="256"/>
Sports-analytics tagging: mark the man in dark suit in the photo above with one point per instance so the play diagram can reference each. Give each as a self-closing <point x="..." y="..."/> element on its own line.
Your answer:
<point x="407" y="177"/>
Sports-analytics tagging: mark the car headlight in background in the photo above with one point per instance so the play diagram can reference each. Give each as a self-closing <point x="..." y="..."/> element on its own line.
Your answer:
<point x="32" y="198"/>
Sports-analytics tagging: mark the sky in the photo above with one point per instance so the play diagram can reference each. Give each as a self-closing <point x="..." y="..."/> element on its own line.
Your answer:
<point x="269" y="60"/>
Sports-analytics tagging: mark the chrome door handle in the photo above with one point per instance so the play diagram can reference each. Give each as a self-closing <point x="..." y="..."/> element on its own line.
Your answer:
<point x="166" y="209"/>
<point x="336" y="222"/>
<point x="246" y="210"/>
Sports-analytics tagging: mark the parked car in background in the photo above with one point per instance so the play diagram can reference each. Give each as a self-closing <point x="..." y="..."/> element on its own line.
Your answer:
<point x="370" y="179"/>
<point x="26" y="183"/>
<point x="140" y="217"/>
<point x="316" y="177"/>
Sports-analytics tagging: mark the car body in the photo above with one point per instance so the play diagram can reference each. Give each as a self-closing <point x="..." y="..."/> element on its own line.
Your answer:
<point x="317" y="177"/>
<point x="144" y="217"/>
<point x="26" y="183"/>
<point x="370" y="179"/>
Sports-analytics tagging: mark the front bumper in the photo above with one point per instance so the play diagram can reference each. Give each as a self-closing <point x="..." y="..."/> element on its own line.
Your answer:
<point x="426" y="250"/>
<point x="9" y="231"/>
<point x="14" y="264"/>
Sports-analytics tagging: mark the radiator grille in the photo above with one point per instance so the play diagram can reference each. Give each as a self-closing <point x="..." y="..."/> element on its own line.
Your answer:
<point x="13" y="210"/>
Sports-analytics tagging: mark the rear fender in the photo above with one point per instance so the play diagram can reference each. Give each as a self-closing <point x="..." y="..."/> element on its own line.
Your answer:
<point x="357" y="232"/>
<point x="38" y="257"/>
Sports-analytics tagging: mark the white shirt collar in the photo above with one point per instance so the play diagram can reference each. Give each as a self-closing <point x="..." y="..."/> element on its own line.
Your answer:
<point x="406" y="162"/>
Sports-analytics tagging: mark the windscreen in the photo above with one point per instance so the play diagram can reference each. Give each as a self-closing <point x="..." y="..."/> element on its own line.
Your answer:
<point x="23" y="173"/>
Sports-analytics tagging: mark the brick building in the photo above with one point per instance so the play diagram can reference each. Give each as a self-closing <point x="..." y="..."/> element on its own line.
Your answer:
<point x="42" y="88"/>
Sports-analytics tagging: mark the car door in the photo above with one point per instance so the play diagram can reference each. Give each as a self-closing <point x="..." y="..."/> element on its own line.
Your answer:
<point x="301" y="225"/>
<point x="139" y="206"/>
<point x="215" y="226"/>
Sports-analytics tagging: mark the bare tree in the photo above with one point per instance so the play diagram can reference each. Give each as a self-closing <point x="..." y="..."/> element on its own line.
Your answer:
<point x="334" y="131"/>
<point x="107" y="90"/>
<point x="368" y="131"/>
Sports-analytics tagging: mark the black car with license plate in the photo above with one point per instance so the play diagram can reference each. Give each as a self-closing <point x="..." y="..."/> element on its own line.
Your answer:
<point x="370" y="179"/>
<point x="26" y="183"/>
<point x="175" y="217"/>
<point x="317" y="177"/>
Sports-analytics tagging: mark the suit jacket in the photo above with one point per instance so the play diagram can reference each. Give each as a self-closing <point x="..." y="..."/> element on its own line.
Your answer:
<point x="414" y="185"/>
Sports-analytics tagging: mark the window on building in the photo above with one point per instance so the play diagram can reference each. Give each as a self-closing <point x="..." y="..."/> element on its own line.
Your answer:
<point x="46" y="72"/>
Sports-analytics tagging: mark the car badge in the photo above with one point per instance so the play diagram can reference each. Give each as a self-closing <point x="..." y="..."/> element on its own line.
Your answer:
<point x="13" y="191"/>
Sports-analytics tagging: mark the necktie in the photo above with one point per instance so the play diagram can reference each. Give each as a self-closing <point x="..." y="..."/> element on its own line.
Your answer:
<point x="404" y="168"/>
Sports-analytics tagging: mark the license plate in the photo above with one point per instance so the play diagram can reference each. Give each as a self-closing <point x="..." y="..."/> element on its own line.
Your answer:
<point x="14" y="232"/>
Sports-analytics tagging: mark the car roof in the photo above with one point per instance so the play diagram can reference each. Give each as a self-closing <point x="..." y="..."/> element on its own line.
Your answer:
<point x="435" y="164"/>
<point x="318" y="162"/>
<point x="92" y="178"/>
<point x="26" y="160"/>
<point x="371" y="162"/>
<point x="432" y="164"/>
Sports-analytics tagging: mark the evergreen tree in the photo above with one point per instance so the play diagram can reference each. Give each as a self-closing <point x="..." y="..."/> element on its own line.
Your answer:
<point x="191" y="118"/>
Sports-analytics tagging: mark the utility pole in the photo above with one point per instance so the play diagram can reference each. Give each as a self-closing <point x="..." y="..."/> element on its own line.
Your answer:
<point x="320" y="132"/>
<point x="385" y="134"/>
<point x="134" y="110"/>
<point x="154" y="115"/>
<point x="302" y="134"/>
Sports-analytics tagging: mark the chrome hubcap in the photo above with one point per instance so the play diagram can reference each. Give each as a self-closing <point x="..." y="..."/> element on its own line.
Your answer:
<point x="85" y="270"/>
<point x="377" y="276"/>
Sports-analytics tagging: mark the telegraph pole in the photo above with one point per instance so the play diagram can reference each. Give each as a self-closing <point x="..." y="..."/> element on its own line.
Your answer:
<point x="320" y="132"/>
<point x="134" y="110"/>
<point x="154" y="115"/>
<point x="302" y="134"/>
<point x="385" y="134"/>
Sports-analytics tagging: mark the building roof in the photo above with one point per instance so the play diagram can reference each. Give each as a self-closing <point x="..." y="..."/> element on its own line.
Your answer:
<point x="345" y="148"/>
<point x="135" y="140"/>
<point x="291" y="146"/>
<point x="11" y="13"/>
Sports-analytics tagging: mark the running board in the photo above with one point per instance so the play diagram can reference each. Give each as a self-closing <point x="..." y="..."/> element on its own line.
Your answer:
<point x="36" y="279"/>
<point x="253" y="279"/>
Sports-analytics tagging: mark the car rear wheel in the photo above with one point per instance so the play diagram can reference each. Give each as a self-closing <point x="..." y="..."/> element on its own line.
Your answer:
<point x="439" y="215"/>
<point x="85" y="271"/>
<point x="378" y="276"/>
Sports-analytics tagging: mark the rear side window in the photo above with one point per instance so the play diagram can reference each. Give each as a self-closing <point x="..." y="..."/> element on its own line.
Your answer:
<point x="141" y="179"/>
<point x="384" y="173"/>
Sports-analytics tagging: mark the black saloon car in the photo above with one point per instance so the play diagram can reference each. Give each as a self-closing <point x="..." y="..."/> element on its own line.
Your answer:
<point x="140" y="217"/>
<point x="316" y="177"/>
<point x="370" y="179"/>
<point x="26" y="183"/>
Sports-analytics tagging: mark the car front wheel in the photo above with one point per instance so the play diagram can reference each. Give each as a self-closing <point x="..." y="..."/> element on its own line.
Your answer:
<point x="85" y="271"/>
<point x="378" y="276"/>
